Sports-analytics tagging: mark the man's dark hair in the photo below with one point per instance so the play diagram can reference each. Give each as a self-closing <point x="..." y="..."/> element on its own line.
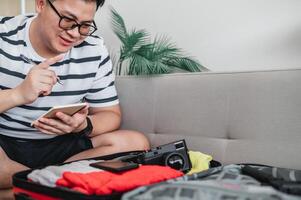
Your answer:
<point x="99" y="3"/>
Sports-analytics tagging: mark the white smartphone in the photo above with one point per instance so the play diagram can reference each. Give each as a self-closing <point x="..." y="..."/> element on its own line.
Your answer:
<point x="69" y="109"/>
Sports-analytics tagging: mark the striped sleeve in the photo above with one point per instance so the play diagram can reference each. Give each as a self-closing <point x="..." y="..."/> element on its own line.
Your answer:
<point x="103" y="92"/>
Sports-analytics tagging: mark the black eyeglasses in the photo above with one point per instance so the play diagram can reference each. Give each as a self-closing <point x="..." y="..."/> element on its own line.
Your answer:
<point x="67" y="23"/>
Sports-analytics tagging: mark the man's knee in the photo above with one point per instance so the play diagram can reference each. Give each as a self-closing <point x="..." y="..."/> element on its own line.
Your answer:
<point x="4" y="170"/>
<point x="138" y="140"/>
<point x="123" y="140"/>
<point x="7" y="168"/>
<point x="6" y="194"/>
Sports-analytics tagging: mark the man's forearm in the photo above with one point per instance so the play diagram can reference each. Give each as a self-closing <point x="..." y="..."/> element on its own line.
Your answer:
<point x="8" y="100"/>
<point x="104" y="122"/>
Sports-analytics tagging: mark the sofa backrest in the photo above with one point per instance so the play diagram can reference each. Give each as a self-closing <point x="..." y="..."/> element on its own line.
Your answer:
<point x="237" y="117"/>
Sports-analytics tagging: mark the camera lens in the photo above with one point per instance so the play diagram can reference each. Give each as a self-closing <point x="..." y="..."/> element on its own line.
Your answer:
<point x="175" y="161"/>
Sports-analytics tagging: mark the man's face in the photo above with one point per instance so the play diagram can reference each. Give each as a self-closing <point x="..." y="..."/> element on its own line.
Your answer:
<point x="56" y="39"/>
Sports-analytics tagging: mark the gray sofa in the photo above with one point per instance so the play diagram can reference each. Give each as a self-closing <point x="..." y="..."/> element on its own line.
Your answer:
<point x="237" y="117"/>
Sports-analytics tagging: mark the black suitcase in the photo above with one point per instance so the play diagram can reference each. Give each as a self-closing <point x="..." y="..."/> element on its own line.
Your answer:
<point x="173" y="154"/>
<point x="26" y="190"/>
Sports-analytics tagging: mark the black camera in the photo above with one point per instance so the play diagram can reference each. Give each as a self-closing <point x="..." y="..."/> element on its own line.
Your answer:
<point x="174" y="155"/>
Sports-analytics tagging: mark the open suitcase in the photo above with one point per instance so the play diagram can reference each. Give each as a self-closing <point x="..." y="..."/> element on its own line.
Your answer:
<point x="173" y="152"/>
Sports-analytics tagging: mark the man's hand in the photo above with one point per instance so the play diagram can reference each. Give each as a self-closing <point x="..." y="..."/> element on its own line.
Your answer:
<point x="63" y="124"/>
<point x="39" y="80"/>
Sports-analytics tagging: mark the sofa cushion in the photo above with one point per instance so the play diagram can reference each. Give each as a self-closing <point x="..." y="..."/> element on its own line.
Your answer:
<point x="234" y="116"/>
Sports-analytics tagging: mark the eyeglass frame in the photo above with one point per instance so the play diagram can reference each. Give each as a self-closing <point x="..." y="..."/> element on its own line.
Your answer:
<point x="76" y="23"/>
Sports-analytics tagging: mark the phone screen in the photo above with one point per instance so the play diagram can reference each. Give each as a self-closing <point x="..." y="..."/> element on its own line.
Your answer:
<point x="115" y="165"/>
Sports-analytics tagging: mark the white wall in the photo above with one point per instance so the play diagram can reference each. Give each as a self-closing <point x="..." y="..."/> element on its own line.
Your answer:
<point x="222" y="34"/>
<point x="13" y="7"/>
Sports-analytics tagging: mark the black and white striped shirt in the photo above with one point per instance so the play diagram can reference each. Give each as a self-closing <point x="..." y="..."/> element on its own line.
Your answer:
<point x="86" y="73"/>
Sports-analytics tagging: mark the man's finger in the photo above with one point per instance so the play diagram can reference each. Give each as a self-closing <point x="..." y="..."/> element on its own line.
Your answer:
<point x="55" y="59"/>
<point x="50" y="61"/>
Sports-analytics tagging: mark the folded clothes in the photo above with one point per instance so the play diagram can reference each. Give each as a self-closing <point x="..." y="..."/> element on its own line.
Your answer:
<point x="49" y="175"/>
<point x="199" y="161"/>
<point x="81" y="177"/>
<point x="104" y="182"/>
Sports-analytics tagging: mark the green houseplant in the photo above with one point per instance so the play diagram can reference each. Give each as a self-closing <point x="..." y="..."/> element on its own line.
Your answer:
<point x="141" y="56"/>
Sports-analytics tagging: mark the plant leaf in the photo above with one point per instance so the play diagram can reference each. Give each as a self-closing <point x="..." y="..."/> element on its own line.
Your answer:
<point x="144" y="62"/>
<point x="140" y="56"/>
<point x="118" y="26"/>
<point x="186" y="63"/>
<point x="163" y="48"/>
<point x="134" y="41"/>
<point x="139" y="65"/>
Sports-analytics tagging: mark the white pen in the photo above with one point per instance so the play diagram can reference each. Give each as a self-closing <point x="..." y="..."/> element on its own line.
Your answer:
<point x="24" y="58"/>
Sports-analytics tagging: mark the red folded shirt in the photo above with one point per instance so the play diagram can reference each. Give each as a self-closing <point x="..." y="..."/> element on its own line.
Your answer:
<point x="105" y="182"/>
